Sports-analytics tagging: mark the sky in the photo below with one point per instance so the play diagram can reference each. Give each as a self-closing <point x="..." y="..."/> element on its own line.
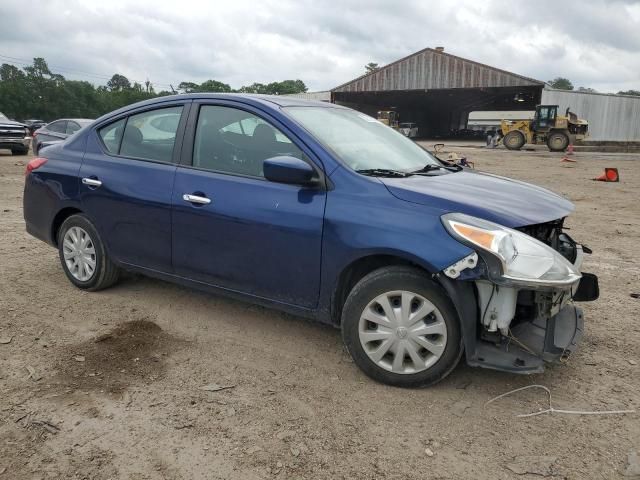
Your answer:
<point x="594" y="43"/>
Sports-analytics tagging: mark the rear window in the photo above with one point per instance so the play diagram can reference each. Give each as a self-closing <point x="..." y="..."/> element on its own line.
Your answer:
<point x="58" y="127"/>
<point x="149" y="135"/>
<point x="112" y="134"/>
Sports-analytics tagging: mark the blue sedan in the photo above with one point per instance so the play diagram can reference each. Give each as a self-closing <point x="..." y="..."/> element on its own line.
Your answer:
<point x="326" y="213"/>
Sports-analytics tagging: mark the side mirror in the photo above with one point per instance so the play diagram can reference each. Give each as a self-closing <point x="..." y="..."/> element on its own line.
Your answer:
<point x="286" y="169"/>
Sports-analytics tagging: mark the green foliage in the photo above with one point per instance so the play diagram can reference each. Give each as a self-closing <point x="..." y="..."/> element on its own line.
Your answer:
<point x="629" y="92"/>
<point x="371" y="67"/>
<point x="561" y="83"/>
<point x="286" y="87"/>
<point x="213" y="86"/>
<point x="36" y="92"/>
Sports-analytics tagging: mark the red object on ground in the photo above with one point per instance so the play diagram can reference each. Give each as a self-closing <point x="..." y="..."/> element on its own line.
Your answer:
<point x="609" y="175"/>
<point x="565" y="159"/>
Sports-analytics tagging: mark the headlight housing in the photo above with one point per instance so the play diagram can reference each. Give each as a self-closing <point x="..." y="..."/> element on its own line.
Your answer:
<point x="513" y="256"/>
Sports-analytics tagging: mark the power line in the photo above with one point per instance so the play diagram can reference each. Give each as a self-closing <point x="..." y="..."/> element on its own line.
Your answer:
<point x="24" y="62"/>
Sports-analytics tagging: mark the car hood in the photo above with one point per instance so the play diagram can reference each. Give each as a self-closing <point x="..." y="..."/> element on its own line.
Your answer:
<point x="10" y="123"/>
<point x="498" y="199"/>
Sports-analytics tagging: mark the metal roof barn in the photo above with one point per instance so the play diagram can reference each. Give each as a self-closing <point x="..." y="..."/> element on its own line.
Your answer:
<point x="437" y="91"/>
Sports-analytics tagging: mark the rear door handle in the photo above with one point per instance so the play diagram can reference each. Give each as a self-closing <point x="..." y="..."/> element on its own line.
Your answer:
<point x="92" y="182"/>
<point x="187" y="197"/>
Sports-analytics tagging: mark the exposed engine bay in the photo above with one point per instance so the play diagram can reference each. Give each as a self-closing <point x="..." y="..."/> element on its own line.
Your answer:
<point x="521" y="326"/>
<point x="501" y="306"/>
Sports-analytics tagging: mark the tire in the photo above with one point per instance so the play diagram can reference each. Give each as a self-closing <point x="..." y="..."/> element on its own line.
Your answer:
<point x="105" y="273"/>
<point x="513" y="140"/>
<point x="557" y="141"/>
<point x="413" y="288"/>
<point x="20" y="151"/>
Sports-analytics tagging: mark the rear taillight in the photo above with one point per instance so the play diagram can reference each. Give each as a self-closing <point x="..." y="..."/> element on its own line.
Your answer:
<point x="34" y="164"/>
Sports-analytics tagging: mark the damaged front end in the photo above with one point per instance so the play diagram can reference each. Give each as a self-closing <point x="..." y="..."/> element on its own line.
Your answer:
<point x="514" y="293"/>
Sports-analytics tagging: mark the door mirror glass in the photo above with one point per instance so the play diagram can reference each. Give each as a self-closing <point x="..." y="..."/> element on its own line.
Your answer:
<point x="286" y="169"/>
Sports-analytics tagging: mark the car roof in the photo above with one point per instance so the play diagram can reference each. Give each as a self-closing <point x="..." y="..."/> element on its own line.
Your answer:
<point x="250" y="98"/>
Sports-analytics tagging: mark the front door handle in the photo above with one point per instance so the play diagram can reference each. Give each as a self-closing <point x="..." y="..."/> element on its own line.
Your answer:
<point x="92" y="182"/>
<point x="187" y="197"/>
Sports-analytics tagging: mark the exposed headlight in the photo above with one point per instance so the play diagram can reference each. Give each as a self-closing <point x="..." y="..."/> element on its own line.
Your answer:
<point x="521" y="258"/>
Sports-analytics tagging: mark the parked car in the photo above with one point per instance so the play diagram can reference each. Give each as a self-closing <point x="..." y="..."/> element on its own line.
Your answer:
<point x="321" y="211"/>
<point x="34" y="125"/>
<point x="57" y="131"/>
<point x="14" y="136"/>
<point x="408" y="129"/>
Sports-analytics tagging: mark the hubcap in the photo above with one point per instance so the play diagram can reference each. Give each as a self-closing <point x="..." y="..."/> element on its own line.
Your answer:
<point x="79" y="254"/>
<point x="402" y="332"/>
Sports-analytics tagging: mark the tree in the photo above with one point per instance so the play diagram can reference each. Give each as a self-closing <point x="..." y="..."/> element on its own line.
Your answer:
<point x="629" y="92"/>
<point x="561" y="83"/>
<point x="11" y="73"/>
<point x="214" y="86"/>
<point x="36" y="92"/>
<point x="188" y="87"/>
<point x="39" y="69"/>
<point x="253" y="88"/>
<point x="587" y="90"/>
<point x="286" y="87"/>
<point x="118" y="83"/>
<point x="371" y="67"/>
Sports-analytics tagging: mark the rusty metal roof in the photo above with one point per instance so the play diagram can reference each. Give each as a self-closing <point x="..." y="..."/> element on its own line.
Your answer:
<point x="431" y="69"/>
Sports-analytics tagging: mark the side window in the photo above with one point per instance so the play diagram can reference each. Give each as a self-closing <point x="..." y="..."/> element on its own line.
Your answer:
<point x="72" y="127"/>
<point x="58" y="127"/>
<point x="151" y="135"/>
<point x="111" y="135"/>
<point x="233" y="141"/>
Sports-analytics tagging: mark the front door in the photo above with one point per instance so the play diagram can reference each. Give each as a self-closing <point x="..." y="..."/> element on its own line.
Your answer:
<point x="126" y="183"/>
<point x="234" y="229"/>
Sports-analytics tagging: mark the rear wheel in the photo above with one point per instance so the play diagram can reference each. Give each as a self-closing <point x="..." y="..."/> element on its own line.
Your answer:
<point x="401" y="329"/>
<point x="83" y="256"/>
<point x="557" y="141"/>
<point x="513" y="140"/>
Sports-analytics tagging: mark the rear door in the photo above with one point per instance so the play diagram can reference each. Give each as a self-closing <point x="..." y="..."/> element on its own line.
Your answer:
<point x="127" y="180"/>
<point x="233" y="228"/>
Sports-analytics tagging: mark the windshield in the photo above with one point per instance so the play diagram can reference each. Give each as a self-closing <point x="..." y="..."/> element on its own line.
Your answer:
<point x="360" y="141"/>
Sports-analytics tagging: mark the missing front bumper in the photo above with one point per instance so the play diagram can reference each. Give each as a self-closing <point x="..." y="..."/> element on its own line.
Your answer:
<point x="533" y="343"/>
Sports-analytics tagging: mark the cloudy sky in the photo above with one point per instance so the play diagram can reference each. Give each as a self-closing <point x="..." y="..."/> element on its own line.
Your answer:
<point x="594" y="43"/>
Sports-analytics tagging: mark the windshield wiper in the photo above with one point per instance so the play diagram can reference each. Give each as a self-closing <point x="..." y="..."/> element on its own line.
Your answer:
<point x="383" y="172"/>
<point x="432" y="166"/>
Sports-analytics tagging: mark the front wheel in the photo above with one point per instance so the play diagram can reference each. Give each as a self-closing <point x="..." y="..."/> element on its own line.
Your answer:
<point x="401" y="329"/>
<point x="83" y="256"/>
<point x="557" y="141"/>
<point x="514" y="140"/>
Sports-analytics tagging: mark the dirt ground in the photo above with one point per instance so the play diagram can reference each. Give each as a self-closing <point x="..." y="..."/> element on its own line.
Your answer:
<point x="109" y="385"/>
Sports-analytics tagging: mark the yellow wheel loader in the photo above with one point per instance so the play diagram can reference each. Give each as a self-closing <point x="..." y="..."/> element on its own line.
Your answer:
<point x="389" y="117"/>
<point x="547" y="127"/>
